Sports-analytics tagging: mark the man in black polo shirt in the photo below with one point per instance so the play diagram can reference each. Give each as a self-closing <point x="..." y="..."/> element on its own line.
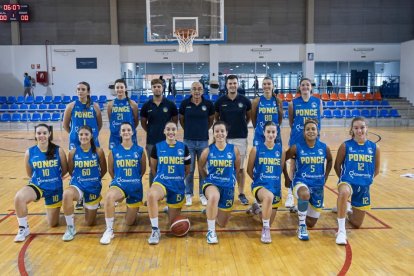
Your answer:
<point x="196" y="118"/>
<point x="155" y="113"/>
<point x="235" y="110"/>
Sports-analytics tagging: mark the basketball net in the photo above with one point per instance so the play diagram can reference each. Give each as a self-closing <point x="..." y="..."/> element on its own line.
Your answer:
<point x="185" y="39"/>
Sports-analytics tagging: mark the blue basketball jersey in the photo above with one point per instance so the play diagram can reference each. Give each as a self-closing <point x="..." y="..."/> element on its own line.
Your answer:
<point x="267" y="110"/>
<point x="267" y="166"/>
<point x="359" y="163"/>
<point x="86" y="170"/>
<point x="127" y="165"/>
<point x="121" y="112"/>
<point x="171" y="167"/>
<point x="46" y="174"/>
<point x="220" y="166"/>
<point x="310" y="164"/>
<point x="81" y="116"/>
<point x="301" y="112"/>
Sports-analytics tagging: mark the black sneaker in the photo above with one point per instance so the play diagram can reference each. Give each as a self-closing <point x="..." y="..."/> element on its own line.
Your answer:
<point x="243" y="199"/>
<point x="79" y="205"/>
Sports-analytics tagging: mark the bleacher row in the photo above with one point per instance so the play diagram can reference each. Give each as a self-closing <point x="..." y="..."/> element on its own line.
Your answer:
<point x="50" y="108"/>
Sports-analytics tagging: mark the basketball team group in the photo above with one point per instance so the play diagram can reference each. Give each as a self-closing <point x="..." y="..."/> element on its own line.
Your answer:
<point x="306" y="163"/>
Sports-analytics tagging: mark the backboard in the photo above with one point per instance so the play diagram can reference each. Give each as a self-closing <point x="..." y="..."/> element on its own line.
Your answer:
<point x="164" y="17"/>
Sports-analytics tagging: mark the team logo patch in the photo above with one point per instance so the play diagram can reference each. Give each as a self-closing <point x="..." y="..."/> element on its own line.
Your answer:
<point x="370" y="151"/>
<point x="165" y="110"/>
<point x="93" y="155"/>
<point x="314" y="105"/>
<point x="211" y="155"/>
<point x="180" y="152"/>
<point x="277" y="154"/>
<point x="320" y="151"/>
<point x="240" y="105"/>
<point x="302" y="151"/>
<point x="135" y="154"/>
<point x="229" y="155"/>
<point x="204" y="108"/>
<point x="117" y="155"/>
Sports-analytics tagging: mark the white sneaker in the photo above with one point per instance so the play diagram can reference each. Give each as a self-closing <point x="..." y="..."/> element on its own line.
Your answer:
<point x="70" y="233"/>
<point x="341" y="238"/>
<point x="290" y="201"/>
<point x="203" y="200"/>
<point x="155" y="236"/>
<point x="212" y="237"/>
<point x="22" y="234"/>
<point x="107" y="236"/>
<point x="188" y="200"/>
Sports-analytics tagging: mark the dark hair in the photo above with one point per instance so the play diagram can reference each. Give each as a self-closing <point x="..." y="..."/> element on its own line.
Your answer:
<point x="231" y="77"/>
<point x="51" y="147"/>
<point x="156" y="81"/>
<point x="268" y="78"/>
<point x="88" y="128"/>
<point x="88" y="97"/>
<point x="126" y="91"/>
<point x="125" y="123"/>
<point x="310" y="121"/>
<point x="362" y="119"/>
<point x="269" y="123"/>
<point x="216" y="123"/>
<point x="172" y="122"/>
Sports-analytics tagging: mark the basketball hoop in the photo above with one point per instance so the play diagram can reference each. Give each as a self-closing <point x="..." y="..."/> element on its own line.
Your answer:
<point x="185" y="39"/>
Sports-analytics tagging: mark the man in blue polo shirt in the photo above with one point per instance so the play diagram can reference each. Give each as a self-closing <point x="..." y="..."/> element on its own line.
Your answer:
<point x="196" y="118"/>
<point x="235" y="110"/>
<point x="155" y="113"/>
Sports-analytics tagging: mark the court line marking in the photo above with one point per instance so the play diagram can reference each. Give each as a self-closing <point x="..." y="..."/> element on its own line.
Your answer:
<point x="7" y="216"/>
<point x="348" y="260"/>
<point x="22" y="253"/>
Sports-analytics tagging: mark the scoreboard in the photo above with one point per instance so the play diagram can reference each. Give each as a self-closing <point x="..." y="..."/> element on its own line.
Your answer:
<point x="14" y="12"/>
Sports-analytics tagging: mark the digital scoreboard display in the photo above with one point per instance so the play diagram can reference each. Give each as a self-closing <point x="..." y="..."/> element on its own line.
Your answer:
<point x="14" y="12"/>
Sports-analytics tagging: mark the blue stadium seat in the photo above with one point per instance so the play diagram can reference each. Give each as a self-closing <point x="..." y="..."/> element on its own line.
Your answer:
<point x="285" y="114"/>
<point x="61" y="106"/>
<point x="11" y="99"/>
<point x="29" y="100"/>
<point x="102" y="99"/>
<point x="285" y="104"/>
<point x="33" y="107"/>
<point x="171" y="98"/>
<point x="4" y="106"/>
<point x="384" y="113"/>
<point x="56" y="117"/>
<point x="356" y="113"/>
<point x="385" y="104"/>
<point x="35" y="117"/>
<point x="94" y="98"/>
<point x="135" y="98"/>
<point x="3" y="99"/>
<point x="23" y="108"/>
<point x="66" y="99"/>
<point x="365" y="113"/>
<point x="101" y="106"/>
<point x="337" y="113"/>
<point x="48" y="100"/>
<point x="75" y="98"/>
<point x="20" y="100"/>
<point x="358" y="104"/>
<point x="349" y="104"/>
<point x="394" y="113"/>
<point x="330" y="104"/>
<point x="14" y="107"/>
<point x="39" y="100"/>
<point x="52" y="108"/>
<point x="327" y="114"/>
<point x="26" y="117"/>
<point x="374" y="113"/>
<point x="16" y="117"/>
<point x="57" y="99"/>
<point x="42" y="107"/>
<point x="340" y="104"/>
<point x="46" y="117"/>
<point x="347" y="113"/>
<point x="5" y="117"/>
<point x="376" y="103"/>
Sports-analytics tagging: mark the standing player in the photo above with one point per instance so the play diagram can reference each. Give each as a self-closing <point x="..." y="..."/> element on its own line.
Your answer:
<point x="235" y="111"/>
<point x="155" y="113"/>
<point x="313" y="162"/>
<point x="356" y="165"/>
<point x="264" y="109"/>
<point x="45" y="165"/>
<point x="121" y="109"/>
<point x="79" y="113"/>
<point x="87" y="166"/>
<point x="196" y="118"/>
<point x="170" y="163"/>
<point x="300" y="109"/>
<point x="223" y="161"/>
<point x="126" y="165"/>
<point x="82" y="112"/>
<point x="265" y="165"/>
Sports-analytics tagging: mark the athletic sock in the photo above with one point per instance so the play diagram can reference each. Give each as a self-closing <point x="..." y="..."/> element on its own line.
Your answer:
<point x="109" y="223"/>
<point x="154" y="223"/>
<point x="22" y="222"/>
<point x="266" y="223"/>
<point x="302" y="210"/>
<point x="341" y="224"/>
<point x="69" y="220"/>
<point x="211" y="224"/>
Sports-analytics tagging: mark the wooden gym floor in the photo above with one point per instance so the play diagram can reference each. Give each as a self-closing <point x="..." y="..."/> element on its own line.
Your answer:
<point x="383" y="246"/>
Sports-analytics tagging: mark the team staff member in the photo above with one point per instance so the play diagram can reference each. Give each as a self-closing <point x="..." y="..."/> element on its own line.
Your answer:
<point x="313" y="163"/>
<point x="235" y="111"/>
<point x="300" y="109"/>
<point x="121" y="109"/>
<point x="196" y="118"/>
<point x="45" y="165"/>
<point x="126" y="165"/>
<point x="155" y="113"/>
<point x="264" y="109"/>
<point x="356" y="165"/>
<point x="222" y="161"/>
<point x="170" y="161"/>
<point x="87" y="166"/>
